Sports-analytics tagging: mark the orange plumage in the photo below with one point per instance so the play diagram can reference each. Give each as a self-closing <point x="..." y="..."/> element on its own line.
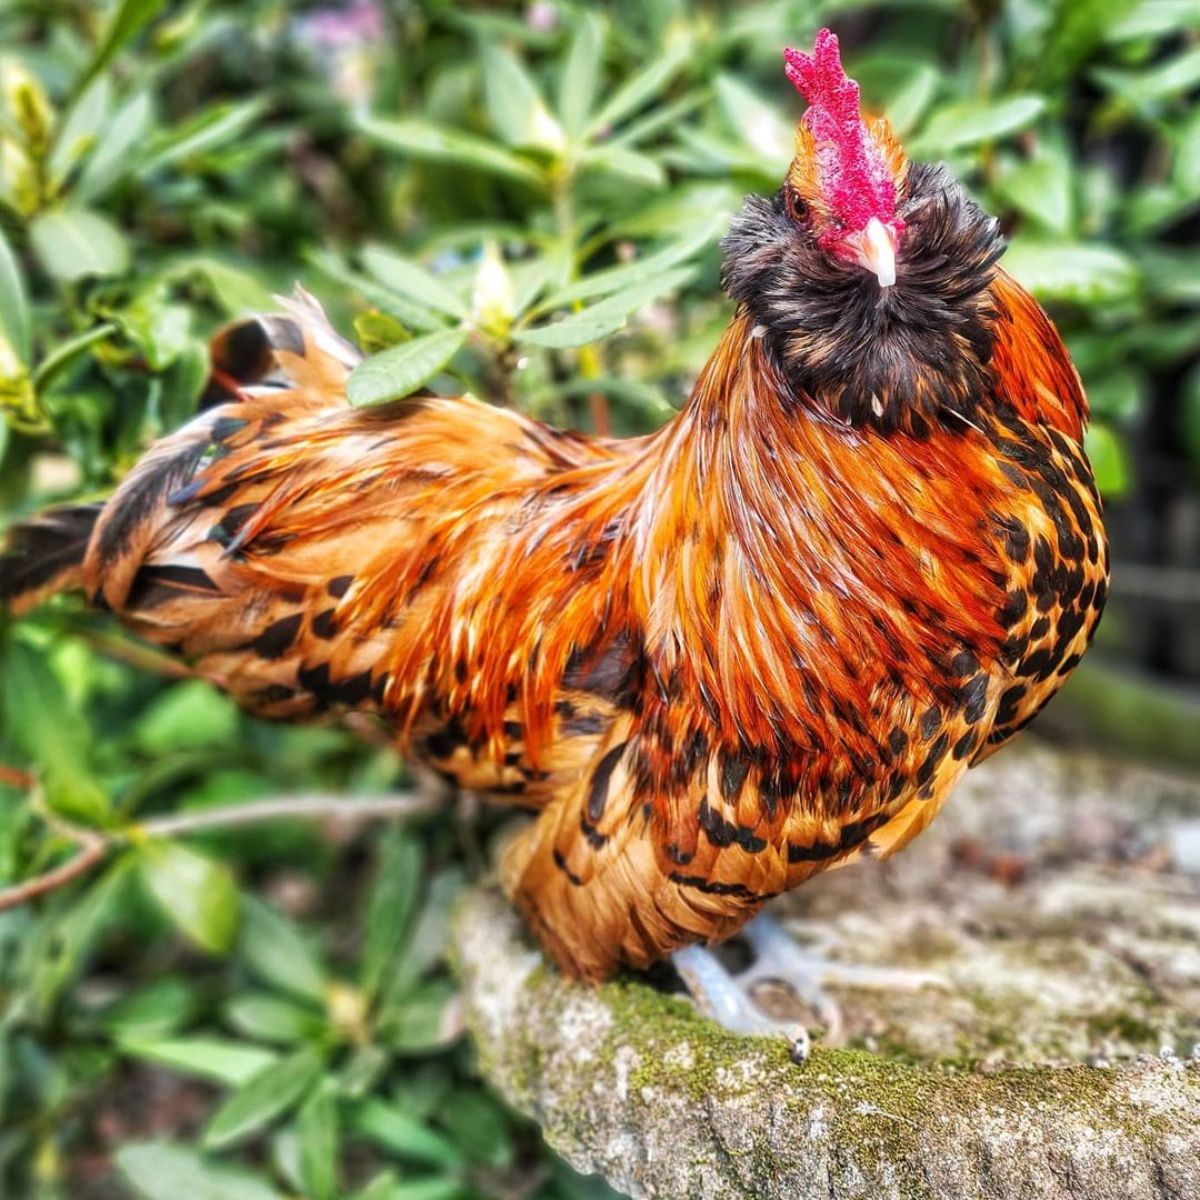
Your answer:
<point x="713" y="661"/>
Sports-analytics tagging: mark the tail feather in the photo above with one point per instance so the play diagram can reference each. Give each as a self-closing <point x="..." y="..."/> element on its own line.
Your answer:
<point x="295" y="348"/>
<point x="45" y="555"/>
<point x="263" y="367"/>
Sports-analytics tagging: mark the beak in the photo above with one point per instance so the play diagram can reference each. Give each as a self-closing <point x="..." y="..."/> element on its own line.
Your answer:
<point x="875" y="249"/>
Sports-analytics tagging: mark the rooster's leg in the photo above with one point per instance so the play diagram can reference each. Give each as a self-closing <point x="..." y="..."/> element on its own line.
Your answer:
<point x="721" y="996"/>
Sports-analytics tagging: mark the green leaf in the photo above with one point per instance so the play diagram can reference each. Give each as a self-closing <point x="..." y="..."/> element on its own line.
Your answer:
<point x="969" y="122"/>
<point x="270" y="1018"/>
<point x="625" y="164"/>
<point x="14" y="303"/>
<point x="114" y="157"/>
<point x="1186" y="165"/>
<point x="1154" y="18"/>
<point x="395" y="1131"/>
<point x="515" y="107"/>
<point x="235" y="291"/>
<point x="415" y="316"/>
<point x="375" y="331"/>
<point x="285" y="1158"/>
<point x="412" y="280"/>
<point x="426" y="944"/>
<point x="363" y="1071"/>
<point x="1171" y="274"/>
<point x="212" y="128"/>
<point x="156" y="1010"/>
<point x="422" y="1020"/>
<point x="74" y="243"/>
<point x="479" y="1128"/>
<point x="389" y="908"/>
<point x="398" y="372"/>
<point x="386" y="1186"/>
<point x="1085" y="274"/>
<point x="58" y="951"/>
<point x="271" y="946"/>
<point x="161" y="1171"/>
<point x="159" y="328"/>
<point x="641" y="87"/>
<point x="81" y="129"/>
<point x="317" y="1126"/>
<point x="190" y="714"/>
<point x="51" y="731"/>
<point x="759" y="124"/>
<point x="1041" y="188"/>
<point x="580" y="75"/>
<point x="437" y="1188"/>
<point x="268" y="1095"/>
<point x="65" y="354"/>
<point x="1116" y="395"/>
<point x="608" y="316"/>
<point x="907" y="103"/>
<point x="616" y="279"/>
<point x="127" y="21"/>
<point x="195" y="891"/>
<point x="232" y="1063"/>
<point x="423" y="139"/>
<point x="1107" y="456"/>
<point x="1171" y="80"/>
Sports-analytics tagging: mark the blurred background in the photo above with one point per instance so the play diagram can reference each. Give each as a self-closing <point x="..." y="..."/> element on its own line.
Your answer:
<point x="264" y="1013"/>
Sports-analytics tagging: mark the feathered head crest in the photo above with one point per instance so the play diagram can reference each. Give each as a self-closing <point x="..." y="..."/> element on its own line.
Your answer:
<point x="855" y="179"/>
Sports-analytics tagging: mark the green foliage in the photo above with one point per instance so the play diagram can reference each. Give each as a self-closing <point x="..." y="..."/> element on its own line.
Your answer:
<point x="520" y="200"/>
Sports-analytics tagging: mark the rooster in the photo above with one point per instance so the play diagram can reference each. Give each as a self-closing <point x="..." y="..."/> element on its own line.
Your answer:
<point x="713" y="661"/>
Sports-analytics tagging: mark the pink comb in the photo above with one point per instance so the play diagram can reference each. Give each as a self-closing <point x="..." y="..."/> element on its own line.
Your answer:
<point x="853" y="173"/>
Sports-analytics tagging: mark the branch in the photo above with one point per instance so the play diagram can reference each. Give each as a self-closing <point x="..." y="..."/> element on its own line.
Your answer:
<point x="95" y="846"/>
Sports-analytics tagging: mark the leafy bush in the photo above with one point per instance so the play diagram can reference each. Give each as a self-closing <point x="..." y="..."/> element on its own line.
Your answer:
<point x="519" y="200"/>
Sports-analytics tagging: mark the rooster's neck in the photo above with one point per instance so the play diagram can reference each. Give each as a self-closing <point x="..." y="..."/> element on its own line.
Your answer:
<point x="780" y="551"/>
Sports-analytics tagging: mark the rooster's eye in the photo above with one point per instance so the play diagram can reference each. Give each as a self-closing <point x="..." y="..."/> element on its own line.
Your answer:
<point x="797" y="208"/>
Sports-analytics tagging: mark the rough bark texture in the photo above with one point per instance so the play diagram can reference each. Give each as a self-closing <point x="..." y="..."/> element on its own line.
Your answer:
<point x="1049" y="902"/>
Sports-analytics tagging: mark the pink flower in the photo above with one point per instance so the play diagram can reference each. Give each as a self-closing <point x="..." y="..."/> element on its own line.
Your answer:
<point x="331" y="29"/>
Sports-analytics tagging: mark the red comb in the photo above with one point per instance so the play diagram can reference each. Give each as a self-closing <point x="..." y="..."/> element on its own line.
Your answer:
<point x="854" y="175"/>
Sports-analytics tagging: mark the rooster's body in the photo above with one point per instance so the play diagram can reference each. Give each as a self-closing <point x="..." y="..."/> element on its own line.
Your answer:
<point x="716" y="660"/>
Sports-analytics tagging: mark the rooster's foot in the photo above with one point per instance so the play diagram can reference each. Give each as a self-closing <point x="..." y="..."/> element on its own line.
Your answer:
<point x="778" y="958"/>
<point x="720" y="995"/>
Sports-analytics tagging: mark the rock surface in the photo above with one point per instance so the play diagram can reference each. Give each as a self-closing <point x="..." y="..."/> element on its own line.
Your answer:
<point x="1056" y="1062"/>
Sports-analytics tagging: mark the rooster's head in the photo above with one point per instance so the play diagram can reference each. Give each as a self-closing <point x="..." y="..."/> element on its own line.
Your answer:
<point x="847" y="174"/>
<point x="868" y="277"/>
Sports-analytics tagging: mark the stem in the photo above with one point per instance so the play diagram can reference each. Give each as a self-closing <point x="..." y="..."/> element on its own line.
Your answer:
<point x="95" y="846"/>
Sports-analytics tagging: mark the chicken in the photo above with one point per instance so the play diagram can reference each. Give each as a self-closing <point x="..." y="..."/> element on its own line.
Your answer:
<point x="713" y="661"/>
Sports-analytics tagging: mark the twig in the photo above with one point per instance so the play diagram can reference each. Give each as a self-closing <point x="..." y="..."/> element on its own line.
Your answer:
<point x="92" y="853"/>
<point x="15" y="778"/>
<point x="95" y="845"/>
<point x="304" y="807"/>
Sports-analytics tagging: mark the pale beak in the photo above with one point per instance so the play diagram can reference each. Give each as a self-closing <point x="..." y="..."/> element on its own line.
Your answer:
<point x="875" y="249"/>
